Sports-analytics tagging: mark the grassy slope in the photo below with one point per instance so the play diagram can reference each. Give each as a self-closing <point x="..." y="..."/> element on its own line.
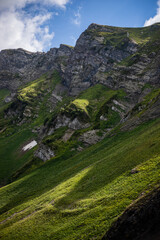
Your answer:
<point x="3" y="93"/>
<point x="80" y="197"/>
<point x="118" y="35"/>
<point x="147" y="39"/>
<point x="12" y="157"/>
<point x="94" y="100"/>
<point x="15" y="137"/>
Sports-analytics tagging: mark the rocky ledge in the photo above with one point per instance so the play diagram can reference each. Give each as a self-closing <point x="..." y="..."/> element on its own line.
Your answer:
<point x="141" y="221"/>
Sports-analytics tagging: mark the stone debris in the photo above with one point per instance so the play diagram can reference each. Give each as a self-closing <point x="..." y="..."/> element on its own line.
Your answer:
<point x="44" y="153"/>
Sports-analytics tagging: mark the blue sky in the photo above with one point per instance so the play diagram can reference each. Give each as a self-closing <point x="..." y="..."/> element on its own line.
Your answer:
<point x="38" y="25"/>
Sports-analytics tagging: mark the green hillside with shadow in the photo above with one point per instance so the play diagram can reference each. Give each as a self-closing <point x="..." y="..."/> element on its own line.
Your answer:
<point x="81" y="191"/>
<point x="80" y="197"/>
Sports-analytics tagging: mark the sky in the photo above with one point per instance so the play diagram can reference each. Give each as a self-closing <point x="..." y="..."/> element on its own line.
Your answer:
<point x="38" y="25"/>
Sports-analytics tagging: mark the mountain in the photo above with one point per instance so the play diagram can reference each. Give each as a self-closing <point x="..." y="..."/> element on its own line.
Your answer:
<point x="79" y="144"/>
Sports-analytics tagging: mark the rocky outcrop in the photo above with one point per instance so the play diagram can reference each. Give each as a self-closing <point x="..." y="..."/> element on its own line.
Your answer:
<point x="143" y="114"/>
<point x="93" y="57"/>
<point x="18" y="66"/>
<point x="94" y="60"/>
<point x="44" y="153"/>
<point x="91" y="137"/>
<point x="15" y="110"/>
<point x="97" y="55"/>
<point x="140" y="221"/>
<point x="75" y="123"/>
<point x="68" y="134"/>
<point x="61" y="120"/>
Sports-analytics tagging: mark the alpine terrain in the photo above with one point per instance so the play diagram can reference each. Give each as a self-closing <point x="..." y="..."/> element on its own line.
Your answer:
<point x="80" y="138"/>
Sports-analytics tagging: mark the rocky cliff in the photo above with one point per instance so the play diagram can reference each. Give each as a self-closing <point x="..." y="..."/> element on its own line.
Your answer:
<point x="116" y="57"/>
<point x="81" y="106"/>
<point x="18" y="66"/>
<point x="122" y="63"/>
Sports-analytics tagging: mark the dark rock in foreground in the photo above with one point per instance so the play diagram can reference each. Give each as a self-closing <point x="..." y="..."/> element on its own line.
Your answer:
<point x="141" y="221"/>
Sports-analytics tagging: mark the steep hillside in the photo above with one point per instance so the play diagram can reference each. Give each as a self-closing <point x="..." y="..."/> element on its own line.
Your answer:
<point x="79" y="135"/>
<point x="139" y="221"/>
<point x="79" y="197"/>
<point x="116" y="57"/>
<point x="18" y="66"/>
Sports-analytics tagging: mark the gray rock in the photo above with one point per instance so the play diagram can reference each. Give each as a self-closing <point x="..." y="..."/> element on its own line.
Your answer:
<point x="63" y="121"/>
<point x="10" y="98"/>
<point x="18" y="66"/>
<point x="27" y="112"/>
<point x="80" y="149"/>
<point x="91" y="137"/>
<point x="68" y="134"/>
<point x="92" y="57"/>
<point x="102" y="118"/>
<point x="44" y="153"/>
<point x="134" y="170"/>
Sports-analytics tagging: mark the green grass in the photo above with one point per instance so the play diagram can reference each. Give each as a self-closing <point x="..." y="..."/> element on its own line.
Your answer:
<point x="38" y="87"/>
<point x="3" y="122"/>
<point x="80" y="197"/>
<point x="77" y="195"/>
<point x="118" y="35"/>
<point x="152" y="96"/>
<point x="56" y="143"/>
<point x="94" y="93"/>
<point x="12" y="157"/>
<point x="31" y="91"/>
<point x="94" y="102"/>
<point x="99" y="96"/>
<point x="44" y="102"/>
<point x="147" y="39"/>
<point x="12" y="136"/>
<point x="58" y="133"/>
<point x="147" y="102"/>
<point x="81" y="104"/>
<point x="3" y="93"/>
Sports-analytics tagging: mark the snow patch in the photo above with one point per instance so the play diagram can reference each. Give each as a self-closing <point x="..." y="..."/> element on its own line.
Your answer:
<point x="29" y="146"/>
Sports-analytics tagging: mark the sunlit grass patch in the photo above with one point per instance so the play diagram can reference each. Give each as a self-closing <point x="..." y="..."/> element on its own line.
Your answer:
<point x="80" y="197"/>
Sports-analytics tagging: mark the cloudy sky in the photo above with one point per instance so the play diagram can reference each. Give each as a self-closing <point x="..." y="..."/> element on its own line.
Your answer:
<point x="38" y="25"/>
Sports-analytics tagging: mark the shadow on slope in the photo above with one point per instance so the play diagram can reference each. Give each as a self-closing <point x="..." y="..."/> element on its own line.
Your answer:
<point x="107" y="159"/>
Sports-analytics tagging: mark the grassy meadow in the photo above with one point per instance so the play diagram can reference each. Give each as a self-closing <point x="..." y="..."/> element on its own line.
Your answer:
<point x="80" y="197"/>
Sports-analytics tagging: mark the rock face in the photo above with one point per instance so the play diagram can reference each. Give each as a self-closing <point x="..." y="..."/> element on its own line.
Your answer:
<point x="63" y="121"/>
<point x="151" y="112"/>
<point x="44" y="153"/>
<point x="93" y="57"/>
<point x="18" y="66"/>
<point x="91" y="137"/>
<point x="68" y="134"/>
<point x="140" y="221"/>
<point x="96" y="57"/>
<point x="99" y="57"/>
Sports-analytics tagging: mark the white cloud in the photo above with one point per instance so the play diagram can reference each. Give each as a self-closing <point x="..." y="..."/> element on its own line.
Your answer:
<point x="15" y="4"/>
<point x="77" y="17"/>
<point x="19" y="29"/>
<point x="60" y="3"/>
<point x="73" y="39"/>
<point x="154" y="19"/>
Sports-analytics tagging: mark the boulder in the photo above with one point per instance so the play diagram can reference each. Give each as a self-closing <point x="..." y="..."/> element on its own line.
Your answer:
<point x="44" y="153"/>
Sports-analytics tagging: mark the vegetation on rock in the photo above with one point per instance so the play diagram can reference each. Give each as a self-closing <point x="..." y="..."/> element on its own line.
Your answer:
<point x="106" y="88"/>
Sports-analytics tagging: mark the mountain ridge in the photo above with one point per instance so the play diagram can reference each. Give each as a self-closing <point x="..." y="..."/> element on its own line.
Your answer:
<point x="92" y="112"/>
